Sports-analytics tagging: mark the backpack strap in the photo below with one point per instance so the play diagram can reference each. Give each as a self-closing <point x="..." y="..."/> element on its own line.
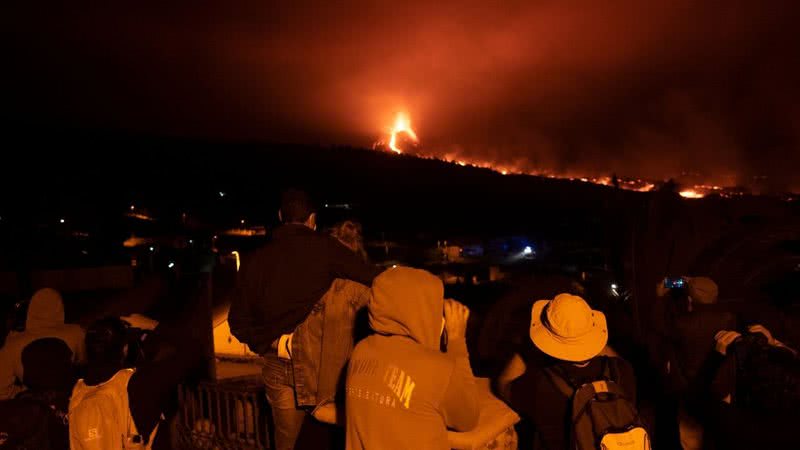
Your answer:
<point x="560" y="380"/>
<point x="610" y="369"/>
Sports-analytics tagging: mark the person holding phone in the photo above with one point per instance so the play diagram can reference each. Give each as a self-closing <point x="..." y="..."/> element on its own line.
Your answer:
<point x="693" y="317"/>
<point x="754" y="390"/>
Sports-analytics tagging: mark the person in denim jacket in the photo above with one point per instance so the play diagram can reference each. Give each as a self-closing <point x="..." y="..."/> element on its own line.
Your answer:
<point x="322" y="344"/>
<point x="279" y="288"/>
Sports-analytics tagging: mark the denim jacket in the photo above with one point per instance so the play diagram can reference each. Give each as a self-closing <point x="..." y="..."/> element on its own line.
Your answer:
<point x="322" y="344"/>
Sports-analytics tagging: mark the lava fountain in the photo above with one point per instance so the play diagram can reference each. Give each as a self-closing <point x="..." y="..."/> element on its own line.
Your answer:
<point x="401" y="125"/>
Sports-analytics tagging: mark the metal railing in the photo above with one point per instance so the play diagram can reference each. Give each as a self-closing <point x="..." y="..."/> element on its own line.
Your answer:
<point x="230" y="415"/>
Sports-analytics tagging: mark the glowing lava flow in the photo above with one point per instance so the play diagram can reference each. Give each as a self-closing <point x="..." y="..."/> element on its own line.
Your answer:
<point x="691" y="193"/>
<point x="401" y="125"/>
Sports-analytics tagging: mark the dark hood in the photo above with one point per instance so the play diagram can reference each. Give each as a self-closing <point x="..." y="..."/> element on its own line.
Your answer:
<point x="408" y="302"/>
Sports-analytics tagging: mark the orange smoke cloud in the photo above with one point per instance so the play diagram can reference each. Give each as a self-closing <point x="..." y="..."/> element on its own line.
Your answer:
<point x="649" y="89"/>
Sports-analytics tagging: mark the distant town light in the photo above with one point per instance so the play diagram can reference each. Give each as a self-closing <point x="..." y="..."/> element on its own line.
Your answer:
<point x="191" y="241"/>
<point x="613" y="286"/>
<point x="152" y="249"/>
<point x="61" y="221"/>
<point x="242" y="221"/>
<point x="171" y="265"/>
<point x="221" y="194"/>
<point x="527" y="251"/>
<point x="133" y="207"/>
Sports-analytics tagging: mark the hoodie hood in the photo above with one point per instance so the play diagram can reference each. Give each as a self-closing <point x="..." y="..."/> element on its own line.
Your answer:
<point x="46" y="310"/>
<point x="408" y="302"/>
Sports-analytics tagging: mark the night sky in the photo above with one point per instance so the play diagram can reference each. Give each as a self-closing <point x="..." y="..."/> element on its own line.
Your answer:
<point x="650" y="88"/>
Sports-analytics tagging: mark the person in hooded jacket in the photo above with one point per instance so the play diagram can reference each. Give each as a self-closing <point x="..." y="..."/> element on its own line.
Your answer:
<point x="402" y="391"/>
<point x="45" y="319"/>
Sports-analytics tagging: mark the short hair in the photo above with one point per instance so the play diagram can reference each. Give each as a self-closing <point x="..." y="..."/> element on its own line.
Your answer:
<point x="105" y="340"/>
<point x="296" y="206"/>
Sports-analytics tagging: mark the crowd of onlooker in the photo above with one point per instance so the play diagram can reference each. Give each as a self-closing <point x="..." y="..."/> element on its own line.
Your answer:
<point x="382" y="356"/>
<point x="106" y="386"/>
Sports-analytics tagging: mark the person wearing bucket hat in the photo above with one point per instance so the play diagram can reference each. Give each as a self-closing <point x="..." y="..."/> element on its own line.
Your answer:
<point x="566" y="328"/>
<point x="567" y="335"/>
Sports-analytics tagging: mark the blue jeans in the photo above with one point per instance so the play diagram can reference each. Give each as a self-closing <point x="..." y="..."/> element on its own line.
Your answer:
<point x="287" y="418"/>
<point x="321" y="347"/>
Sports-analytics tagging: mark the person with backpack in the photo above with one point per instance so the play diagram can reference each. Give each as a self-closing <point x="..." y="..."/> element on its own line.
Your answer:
<point x="572" y="396"/>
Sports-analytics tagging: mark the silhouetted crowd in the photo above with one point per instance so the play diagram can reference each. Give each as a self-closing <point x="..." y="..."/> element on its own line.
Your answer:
<point x="381" y="355"/>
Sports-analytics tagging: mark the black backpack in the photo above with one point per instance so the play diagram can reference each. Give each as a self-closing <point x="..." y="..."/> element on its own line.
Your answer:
<point x="601" y="415"/>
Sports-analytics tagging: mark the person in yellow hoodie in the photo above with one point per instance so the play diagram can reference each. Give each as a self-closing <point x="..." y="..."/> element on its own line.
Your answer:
<point x="45" y="319"/>
<point x="402" y="391"/>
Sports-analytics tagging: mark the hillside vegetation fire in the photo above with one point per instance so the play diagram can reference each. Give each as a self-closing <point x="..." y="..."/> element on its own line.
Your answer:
<point x="402" y="128"/>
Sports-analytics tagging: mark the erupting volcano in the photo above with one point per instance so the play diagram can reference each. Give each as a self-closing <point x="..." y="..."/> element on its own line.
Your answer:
<point x="402" y="126"/>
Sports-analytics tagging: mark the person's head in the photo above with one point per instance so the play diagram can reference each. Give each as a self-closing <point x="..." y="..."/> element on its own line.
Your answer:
<point x="408" y="302"/>
<point x="567" y="329"/>
<point x="106" y="341"/>
<point x="47" y="365"/>
<point x="297" y="208"/>
<point x="702" y="290"/>
<point x="348" y="232"/>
